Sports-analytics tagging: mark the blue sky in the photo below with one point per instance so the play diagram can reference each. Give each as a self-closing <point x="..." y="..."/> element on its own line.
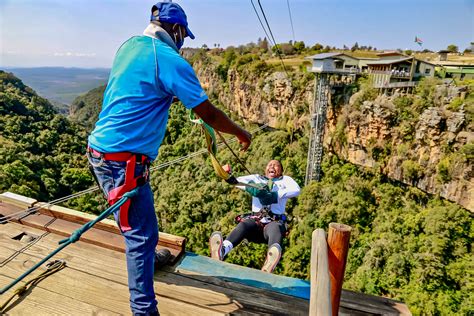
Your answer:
<point x="86" y="33"/>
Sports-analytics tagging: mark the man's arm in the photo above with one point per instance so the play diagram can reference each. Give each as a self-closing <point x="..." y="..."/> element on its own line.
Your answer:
<point x="221" y="122"/>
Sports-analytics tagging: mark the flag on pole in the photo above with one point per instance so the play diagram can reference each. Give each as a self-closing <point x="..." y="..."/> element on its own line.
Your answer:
<point x="418" y="40"/>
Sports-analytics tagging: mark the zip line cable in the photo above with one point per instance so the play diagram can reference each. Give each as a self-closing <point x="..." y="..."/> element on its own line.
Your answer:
<point x="22" y="214"/>
<point x="291" y="20"/>
<point x="273" y="38"/>
<point x="261" y="23"/>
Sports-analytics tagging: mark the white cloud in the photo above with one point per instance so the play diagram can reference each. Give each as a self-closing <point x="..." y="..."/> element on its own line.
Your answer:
<point x="73" y="54"/>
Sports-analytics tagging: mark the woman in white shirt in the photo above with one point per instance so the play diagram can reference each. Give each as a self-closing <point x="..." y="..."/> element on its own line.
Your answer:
<point x="267" y="222"/>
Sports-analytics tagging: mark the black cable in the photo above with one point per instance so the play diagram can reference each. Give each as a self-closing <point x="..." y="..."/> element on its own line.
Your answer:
<point x="291" y="21"/>
<point x="261" y="23"/>
<point x="273" y="38"/>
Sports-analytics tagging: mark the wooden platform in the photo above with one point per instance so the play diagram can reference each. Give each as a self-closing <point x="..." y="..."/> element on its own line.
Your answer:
<point x="95" y="281"/>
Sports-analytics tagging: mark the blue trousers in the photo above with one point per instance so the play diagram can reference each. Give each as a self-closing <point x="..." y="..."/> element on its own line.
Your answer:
<point x="141" y="240"/>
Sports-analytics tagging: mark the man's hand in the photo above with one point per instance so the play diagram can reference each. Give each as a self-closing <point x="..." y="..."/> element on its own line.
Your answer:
<point x="222" y="123"/>
<point x="244" y="140"/>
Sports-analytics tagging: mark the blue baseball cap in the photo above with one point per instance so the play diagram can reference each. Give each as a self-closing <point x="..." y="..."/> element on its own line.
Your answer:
<point x="172" y="13"/>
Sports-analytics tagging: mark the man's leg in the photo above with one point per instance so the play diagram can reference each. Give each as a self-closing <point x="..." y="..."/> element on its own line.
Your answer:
<point x="140" y="244"/>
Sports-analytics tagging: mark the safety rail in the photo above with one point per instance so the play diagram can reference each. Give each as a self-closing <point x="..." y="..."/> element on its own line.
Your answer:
<point x="328" y="263"/>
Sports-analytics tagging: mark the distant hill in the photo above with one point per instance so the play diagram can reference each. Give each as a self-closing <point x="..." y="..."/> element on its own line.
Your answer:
<point x="85" y="108"/>
<point x="61" y="85"/>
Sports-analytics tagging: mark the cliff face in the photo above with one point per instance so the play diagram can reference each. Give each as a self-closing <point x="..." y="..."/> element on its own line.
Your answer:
<point x="269" y="99"/>
<point x="432" y="151"/>
<point x="416" y="140"/>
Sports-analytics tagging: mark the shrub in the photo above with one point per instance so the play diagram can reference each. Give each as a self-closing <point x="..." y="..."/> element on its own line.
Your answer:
<point x="412" y="170"/>
<point x="455" y="104"/>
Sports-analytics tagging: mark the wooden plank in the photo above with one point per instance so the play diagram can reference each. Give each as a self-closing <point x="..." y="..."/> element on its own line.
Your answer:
<point x="106" y="224"/>
<point x="175" y="244"/>
<point x="93" y="236"/>
<point x="251" y="298"/>
<point x="320" y="302"/>
<point x="41" y="302"/>
<point x="170" y="241"/>
<point x="239" y="274"/>
<point x="376" y="305"/>
<point x="16" y="199"/>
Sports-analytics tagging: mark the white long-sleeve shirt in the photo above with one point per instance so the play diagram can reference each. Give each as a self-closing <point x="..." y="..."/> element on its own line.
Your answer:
<point x="285" y="186"/>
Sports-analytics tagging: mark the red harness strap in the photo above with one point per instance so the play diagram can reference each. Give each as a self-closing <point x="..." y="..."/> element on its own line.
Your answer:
<point x="130" y="183"/>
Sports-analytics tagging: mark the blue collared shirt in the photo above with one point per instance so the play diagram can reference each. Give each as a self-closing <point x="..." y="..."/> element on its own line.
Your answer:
<point x="145" y="76"/>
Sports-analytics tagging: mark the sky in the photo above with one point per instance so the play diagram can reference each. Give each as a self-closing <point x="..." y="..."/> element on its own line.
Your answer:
<point x="87" y="33"/>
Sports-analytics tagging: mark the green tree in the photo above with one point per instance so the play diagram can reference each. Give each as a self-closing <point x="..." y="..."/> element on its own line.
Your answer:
<point x="452" y="48"/>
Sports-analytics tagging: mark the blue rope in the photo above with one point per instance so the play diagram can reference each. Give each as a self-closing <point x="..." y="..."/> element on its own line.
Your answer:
<point x="74" y="236"/>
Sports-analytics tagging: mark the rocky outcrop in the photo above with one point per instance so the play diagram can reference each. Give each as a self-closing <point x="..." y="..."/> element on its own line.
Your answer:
<point x="429" y="156"/>
<point x="268" y="99"/>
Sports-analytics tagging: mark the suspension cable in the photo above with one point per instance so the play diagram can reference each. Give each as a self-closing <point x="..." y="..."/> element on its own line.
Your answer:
<point x="271" y="33"/>
<point x="261" y="23"/>
<point x="291" y="21"/>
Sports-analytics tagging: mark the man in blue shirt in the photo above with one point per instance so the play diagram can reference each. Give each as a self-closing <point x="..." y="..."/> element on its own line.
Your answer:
<point x="147" y="73"/>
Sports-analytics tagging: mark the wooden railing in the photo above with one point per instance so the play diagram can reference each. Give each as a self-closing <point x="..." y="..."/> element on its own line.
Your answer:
<point x="328" y="263"/>
<point x="402" y="84"/>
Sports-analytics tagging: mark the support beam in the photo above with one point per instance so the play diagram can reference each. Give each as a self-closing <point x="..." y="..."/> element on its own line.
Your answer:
<point x="320" y="297"/>
<point x="338" y="243"/>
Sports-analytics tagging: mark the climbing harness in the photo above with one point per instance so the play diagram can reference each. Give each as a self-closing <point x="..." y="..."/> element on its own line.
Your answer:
<point x="262" y="217"/>
<point x="51" y="268"/>
<point x="130" y="183"/>
<point x="75" y="236"/>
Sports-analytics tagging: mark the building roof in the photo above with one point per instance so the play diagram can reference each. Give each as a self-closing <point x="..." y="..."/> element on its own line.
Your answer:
<point x="427" y="62"/>
<point x="323" y="56"/>
<point x="390" y="53"/>
<point x="389" y="61"/>
<point x="459" y="70"/>
<point x="95" y="278"/>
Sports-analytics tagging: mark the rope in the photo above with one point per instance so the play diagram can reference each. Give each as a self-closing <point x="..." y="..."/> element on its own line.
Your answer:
<point x="75" y="236"/>
<point x="51" y="268"/>
<point x="210" y="136"/>
<point x="233" y="153"/>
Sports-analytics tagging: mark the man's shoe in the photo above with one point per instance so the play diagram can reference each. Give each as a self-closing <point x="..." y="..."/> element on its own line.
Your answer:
<point x="215" y="246"/>
<point x="162" y="256"/>
<point x="273" y="257"/>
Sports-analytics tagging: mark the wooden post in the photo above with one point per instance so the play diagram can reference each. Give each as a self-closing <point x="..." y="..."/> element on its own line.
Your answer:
<point x="320" y="297"/>
<point x="338" y="243"/>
